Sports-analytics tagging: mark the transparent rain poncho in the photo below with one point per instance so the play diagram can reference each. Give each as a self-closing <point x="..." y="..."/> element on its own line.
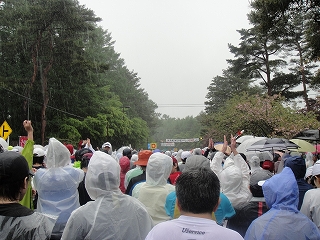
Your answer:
<point x="113" y="215"/>
<point x="35" y="226"/>
<point x="283" y="220"/>
<point x="234" y="177"/>
<point x="57" y="185"/>
<point x="154" y="191"/>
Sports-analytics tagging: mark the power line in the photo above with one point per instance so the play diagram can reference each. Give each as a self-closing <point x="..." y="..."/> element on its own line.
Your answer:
<point x="181" y="105"/>
<point x="48" y="106"/>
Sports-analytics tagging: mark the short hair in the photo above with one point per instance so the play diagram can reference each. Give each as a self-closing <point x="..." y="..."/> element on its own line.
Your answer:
<point x="198" y="190"/>
<point x="37" y="159"/>
<point x="13" y="170"/>
<point x="85" y="160"/>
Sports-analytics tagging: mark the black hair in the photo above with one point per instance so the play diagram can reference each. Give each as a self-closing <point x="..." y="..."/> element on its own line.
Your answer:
<point x="79" y="153"/>
<point x="37" y="159"/>
<point x="313" y="179"/>
<point x="198" y="190"/>
<point x="84" y="161"/>
<point x="12" y="181"/>
<point x="276" y="157"/>
<point x="127" y="152"/>
<point x="11" y="190"/>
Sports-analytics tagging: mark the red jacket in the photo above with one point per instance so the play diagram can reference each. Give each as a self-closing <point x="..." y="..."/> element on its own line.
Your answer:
<point x="125" y="167"/>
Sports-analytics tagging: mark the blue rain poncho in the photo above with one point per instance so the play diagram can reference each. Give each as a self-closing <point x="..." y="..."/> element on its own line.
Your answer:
<point x="283" y="220"/>
<point x="112" y="214"/>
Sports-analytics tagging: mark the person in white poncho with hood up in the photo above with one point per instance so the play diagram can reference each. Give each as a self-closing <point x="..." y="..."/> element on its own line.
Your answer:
<point x="57" y="185"/>
<point x="154" y="191"/>
<point x="234" y="175"/>
<point x="113" y="215"/>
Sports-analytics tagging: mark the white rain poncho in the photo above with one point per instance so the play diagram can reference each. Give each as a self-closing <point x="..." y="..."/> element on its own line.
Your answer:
<point x="35" y="226"/>
<point x="113" y="215"/>
<point x="234" y="177"/>
<point x="309" y="160"/>
<point x="57" y="185"/>
<point x="154" y="191"/>
<point x="283" y="220"/>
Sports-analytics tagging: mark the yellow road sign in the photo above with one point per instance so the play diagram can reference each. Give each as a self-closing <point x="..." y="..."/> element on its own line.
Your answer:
<point x="153" y="145"/>
<point x="5" y="130"/>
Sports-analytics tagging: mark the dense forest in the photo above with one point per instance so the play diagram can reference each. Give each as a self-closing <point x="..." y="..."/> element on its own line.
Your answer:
<point x="59" y="69"/>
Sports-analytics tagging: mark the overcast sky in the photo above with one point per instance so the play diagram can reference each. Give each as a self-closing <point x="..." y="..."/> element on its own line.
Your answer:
<point x="175" y="46"/>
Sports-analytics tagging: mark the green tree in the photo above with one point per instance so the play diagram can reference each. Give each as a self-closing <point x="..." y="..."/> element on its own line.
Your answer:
<point x="225" y="87"/>
<point x="279" y="10"/>
<point x="259" y="116"/>
<point x="255" y="56"/>
<point x="60" y="70"/>
<point x="39" y="32"/>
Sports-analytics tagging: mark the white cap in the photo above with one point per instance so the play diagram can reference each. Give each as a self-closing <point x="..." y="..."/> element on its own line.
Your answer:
<point x="185" y="154"/>
<point x="316" y="168"/>
<point x="106" y="144"/>
<point x="38" y="152"/>
<point x="308" y="172"/>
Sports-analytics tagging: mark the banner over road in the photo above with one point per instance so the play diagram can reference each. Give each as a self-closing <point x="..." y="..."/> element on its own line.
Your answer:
<point x="183" y="140"/>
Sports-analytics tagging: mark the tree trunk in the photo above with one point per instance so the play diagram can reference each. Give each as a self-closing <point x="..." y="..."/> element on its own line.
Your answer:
<point x="45" y="93"/>
<point x="304" y="80"/>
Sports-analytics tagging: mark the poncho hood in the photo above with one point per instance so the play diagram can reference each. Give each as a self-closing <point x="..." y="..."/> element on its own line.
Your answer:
<point x="281" y="191"/>
<point x="197" y="161"/>
<point x="158" y="169"/>
<point x="103" y="175"/>
<point x="57" y="154"/>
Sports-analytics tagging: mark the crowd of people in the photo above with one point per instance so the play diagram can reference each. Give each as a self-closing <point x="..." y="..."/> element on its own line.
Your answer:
<point x="59" y="192"/>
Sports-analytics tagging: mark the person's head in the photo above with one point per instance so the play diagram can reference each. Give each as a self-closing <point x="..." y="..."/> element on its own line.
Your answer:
<point x="38" y="157"/>
<point x="198" y="191"/>
<point x="168" y="153"/>
<point x="257" y="176"/>
<point x="196" y="162"/>
<point x="143" y="157"/>
<point x="197" y="151"/>
<point x="268" y="165"/>
<point x="107" y="148"/>
<point x="14" y="176"/>
<point x="254" y="162"/>
<point x="185" y="155"/>
<point x="127" y="153"/>
<point x="103" y="175"/>
<point x="297" y="165"/>
<point x="281" y="191"/>
<point x="85" y="161"/>
<point x="316" y="157"/>
<point x="70" y="148"/>
<point x="316" y="174"/>
<point x="79" y="153"/>
<point x="57" y="154"/>
<point x="175" y="166"/>
<point x="308" y="175"/>
<point x="158" y="169"/>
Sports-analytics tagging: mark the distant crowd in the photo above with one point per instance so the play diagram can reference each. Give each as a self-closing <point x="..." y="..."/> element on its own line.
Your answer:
<point x="218" y="192"/>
